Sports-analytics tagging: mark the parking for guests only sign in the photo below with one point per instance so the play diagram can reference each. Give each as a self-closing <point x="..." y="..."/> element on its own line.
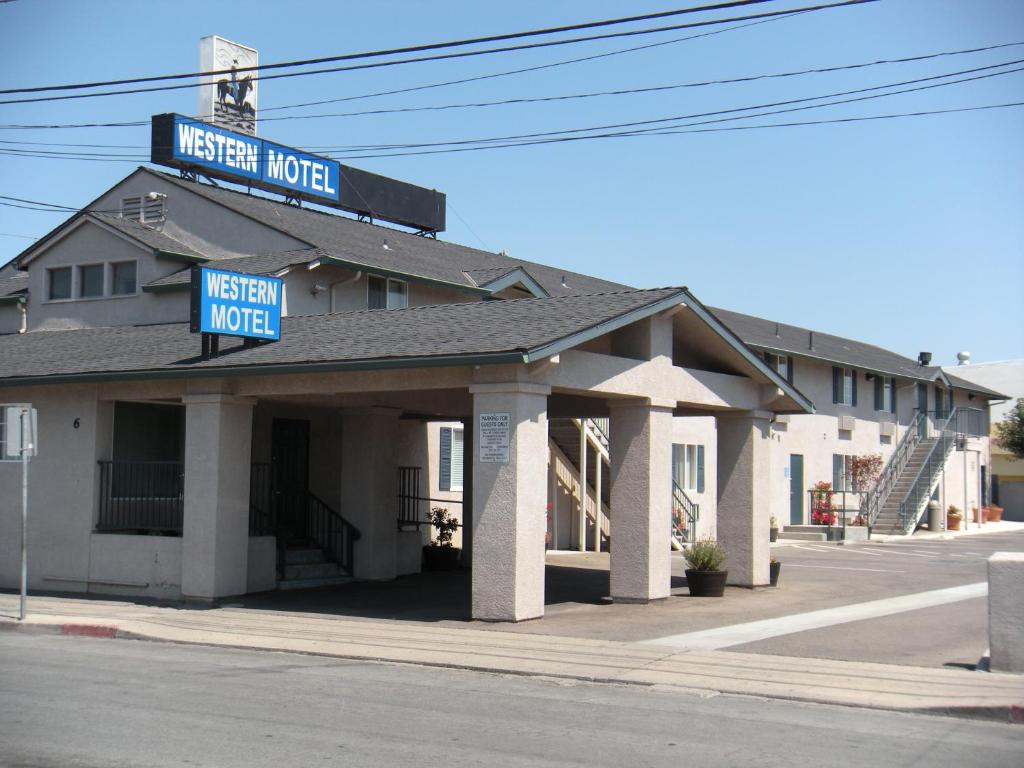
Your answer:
<point x="495" y="429"/>
<point x="236" y="304"/>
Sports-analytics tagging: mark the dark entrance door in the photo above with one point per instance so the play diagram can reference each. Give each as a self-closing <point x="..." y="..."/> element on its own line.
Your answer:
<point x="796" y="489"/>
<point x="922" y="407"/>
<point x="289" y="459"/>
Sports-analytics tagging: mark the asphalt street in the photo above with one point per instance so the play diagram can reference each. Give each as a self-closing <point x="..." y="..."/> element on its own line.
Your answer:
<point x="74" y="702"/>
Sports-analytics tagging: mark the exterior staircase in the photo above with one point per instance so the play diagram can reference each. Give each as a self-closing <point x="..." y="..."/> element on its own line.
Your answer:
<point x="888" y="520"/>
<point x="307" y="565"/>
<point x="565" y="433"/>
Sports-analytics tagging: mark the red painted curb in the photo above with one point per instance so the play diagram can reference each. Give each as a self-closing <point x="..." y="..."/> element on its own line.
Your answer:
<point x="88" y="630"/>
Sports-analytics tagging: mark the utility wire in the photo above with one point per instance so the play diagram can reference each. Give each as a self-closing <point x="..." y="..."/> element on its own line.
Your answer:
<point x="463" y="54"/>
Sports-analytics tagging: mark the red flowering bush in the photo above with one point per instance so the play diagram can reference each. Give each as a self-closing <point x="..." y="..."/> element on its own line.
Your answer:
<point x="822" y="512"/>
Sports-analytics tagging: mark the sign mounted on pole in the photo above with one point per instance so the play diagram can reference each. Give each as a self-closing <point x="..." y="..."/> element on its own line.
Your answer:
<point x="236" y="304"/>
<point x="200" y="147"/>
<point x="228" y="99"/>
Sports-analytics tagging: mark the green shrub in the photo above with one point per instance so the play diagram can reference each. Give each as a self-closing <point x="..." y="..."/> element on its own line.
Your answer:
<point x="705" y="555"/>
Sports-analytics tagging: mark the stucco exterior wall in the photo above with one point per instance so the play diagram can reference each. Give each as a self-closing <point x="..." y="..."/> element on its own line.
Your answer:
<point x="428" y="456"/>
<point x="701" y="430"/>
<point x="143" y="566"/>
<point x="10" y="318"/>
<point x="90" y="243"/>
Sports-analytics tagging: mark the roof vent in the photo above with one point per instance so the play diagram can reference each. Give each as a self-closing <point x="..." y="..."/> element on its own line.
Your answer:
<point x="147" y="209"/>
<point x="963" y="358"/>
<point x="924" y="358"/>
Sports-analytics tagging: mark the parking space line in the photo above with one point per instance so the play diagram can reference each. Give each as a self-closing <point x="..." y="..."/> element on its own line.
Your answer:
<point x="739" y="634"/>
<point x="840" y="568"/>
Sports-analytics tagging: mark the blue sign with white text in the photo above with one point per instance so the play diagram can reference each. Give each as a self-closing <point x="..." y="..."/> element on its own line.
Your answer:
<point x="201" y="144"/>
<point x="236" y="304"/>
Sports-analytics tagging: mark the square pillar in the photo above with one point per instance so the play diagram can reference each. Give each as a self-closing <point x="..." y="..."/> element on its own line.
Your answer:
<point x="510" y="494"/>
<point x="215" y="533"/>
<point x="467" y="494"/>
<point x="641" y="496"/>
<point x="744" y="496"/>
<point x="369" y="488"/>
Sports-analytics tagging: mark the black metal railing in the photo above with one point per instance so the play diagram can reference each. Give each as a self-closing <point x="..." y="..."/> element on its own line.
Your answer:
<point x="331" y="532"/>
<point x="262" y="514"/>
<point x="141" y="497"/>
<point x="914" y="500"/>
<point x="410" y="503"/>
<point x="837" y="509"/>
<point x="685" y="514"/>
<point x="876" y="497"/>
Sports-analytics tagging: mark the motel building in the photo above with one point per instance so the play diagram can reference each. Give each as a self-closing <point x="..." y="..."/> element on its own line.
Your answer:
<point x="545" y="409"/>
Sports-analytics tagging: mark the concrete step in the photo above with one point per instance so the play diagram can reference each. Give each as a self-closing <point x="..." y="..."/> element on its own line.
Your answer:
<point x="801" y="536"/>
<point x="300" y="555"/>
<point x="311" y="571"/>
<point x="309" y="583"/>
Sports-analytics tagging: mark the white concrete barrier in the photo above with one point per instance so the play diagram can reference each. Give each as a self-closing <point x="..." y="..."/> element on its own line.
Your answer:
<point x="1006" y="611"/>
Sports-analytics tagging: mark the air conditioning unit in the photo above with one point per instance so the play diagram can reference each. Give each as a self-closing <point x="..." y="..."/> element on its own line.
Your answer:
<point x="847" y="423"/>
<point x="887" y="429"/>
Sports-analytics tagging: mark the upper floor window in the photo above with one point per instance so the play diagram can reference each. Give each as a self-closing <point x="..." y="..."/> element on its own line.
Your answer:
<point x="59" y="283"/>
<point x="844" y="386"/>
<point x="842" y="477"/>
<point x="688" y="467"/>
<point x="885" y="394"/>
<point x="781" y="364"/>
<point x="386" y="293"/>
<point x="943" y="406"/>
<point x="123" y="278"/>
<point x="90" y="281"/>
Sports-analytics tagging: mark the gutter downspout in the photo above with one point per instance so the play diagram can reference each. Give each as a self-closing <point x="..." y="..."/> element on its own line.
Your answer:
<point x="23" y="320"/>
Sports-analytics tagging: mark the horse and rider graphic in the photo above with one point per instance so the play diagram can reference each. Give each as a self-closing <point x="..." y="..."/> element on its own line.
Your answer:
<point x="237" y="90"/>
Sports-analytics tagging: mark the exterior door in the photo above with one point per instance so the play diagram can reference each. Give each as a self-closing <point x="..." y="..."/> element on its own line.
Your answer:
<point x="796" y="489"/>
<point x="289" y="459"/>
<point x="922" y="407"/>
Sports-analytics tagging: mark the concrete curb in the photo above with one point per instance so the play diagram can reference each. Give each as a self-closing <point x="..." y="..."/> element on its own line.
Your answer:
<point x="1008" y="713"/>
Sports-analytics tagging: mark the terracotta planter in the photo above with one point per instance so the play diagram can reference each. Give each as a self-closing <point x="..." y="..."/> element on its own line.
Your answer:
<point x="993" y="514"/>
<point x="706" y="583"/>
<point x="953" y="523"/>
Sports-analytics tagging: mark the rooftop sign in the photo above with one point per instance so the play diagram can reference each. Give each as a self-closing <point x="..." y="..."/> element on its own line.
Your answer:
<point x="236" y="304"/>
<point x="193" y="145"/>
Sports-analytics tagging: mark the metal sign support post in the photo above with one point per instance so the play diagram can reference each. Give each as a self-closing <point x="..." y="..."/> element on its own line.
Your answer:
<point x="26" y="447"/>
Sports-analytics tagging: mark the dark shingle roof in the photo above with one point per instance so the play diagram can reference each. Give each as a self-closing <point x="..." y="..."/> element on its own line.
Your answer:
<point x="407" y="253"/>
<point x="768" y="334"/>
<point x="382" y="336"/>
<point x="960" y="383"/>
<point x="265" y="264"/>
<point x="13" y="283"/>
<point x="148" y="236"/>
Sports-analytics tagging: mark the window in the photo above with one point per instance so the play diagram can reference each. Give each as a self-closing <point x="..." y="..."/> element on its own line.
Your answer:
<point x="123" y="282"/>
<point x="385" y="293"/>
<point x="781" y="364"/>
<point x="90" y="281"/>
<point x="451" y="459"/>
<point x="885" y="393"/>
<point x="688" y="467"/>
<point x="841" y="477"/>
<point x="59" y="283"/>
<point x="940" y="404"/>
<point x="844" y="386"/>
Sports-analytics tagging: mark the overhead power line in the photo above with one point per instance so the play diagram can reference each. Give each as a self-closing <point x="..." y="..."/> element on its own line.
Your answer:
<point x="394" y="51"/>
<point x="463" y="54"/>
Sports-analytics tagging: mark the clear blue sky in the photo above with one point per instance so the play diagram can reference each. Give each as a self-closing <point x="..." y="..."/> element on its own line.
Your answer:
<point x="904" y="233"/>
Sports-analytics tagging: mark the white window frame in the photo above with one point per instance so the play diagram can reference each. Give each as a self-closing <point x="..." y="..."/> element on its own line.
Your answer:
<point x="888" y="386"/>
<point x="389" y="282"/>
<point x="847" y="388"/>
<point x="689" y="480"/>
<point x="458" y="450"/>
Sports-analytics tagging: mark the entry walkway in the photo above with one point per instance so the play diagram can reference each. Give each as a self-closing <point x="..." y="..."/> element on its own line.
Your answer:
<point x="945" y="691"/>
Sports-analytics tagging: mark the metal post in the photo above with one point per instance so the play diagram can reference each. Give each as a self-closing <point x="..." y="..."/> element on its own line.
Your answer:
<point x="583" y="486"/>
<point x="597" y="500"/>
<point x="26" y="421"/>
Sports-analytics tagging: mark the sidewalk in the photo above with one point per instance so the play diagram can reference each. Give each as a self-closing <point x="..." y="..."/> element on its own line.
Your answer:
<point x="967" y="529"/>
<point x="879" y="686"/>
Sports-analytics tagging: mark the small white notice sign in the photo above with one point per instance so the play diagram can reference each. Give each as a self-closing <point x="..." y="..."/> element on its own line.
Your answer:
<point x="495" y="429"/>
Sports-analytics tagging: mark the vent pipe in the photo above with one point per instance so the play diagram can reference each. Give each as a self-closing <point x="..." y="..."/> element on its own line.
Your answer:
<point x="924" y="358"/>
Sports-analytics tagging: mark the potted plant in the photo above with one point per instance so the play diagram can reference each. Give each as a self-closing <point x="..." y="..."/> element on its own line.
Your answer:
<point x="440" y="555"/>
<point x="704" y="577"/>
<point x="822" y="512"/>
<point x="774" y="530"/>
<point x="953" y="518"/>
<point x="773" y="573"/>
<point x="993" y="514"/>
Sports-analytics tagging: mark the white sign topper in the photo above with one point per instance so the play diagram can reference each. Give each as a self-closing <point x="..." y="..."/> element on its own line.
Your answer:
<point x="228" y="99"/>
<point x="495" y="429"/>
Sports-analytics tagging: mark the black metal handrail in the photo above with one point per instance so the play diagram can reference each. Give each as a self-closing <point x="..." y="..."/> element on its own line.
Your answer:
<point x="331" y="532"/>
<point x="916" y="497"/>
<point x="877" y="495"/>
<point x="141" y="496"/>
<point x="685" y="514"/>
<point x="262" y="514"/>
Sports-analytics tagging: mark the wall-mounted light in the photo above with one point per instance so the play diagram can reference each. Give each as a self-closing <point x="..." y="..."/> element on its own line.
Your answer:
<point x="316" y="288"/>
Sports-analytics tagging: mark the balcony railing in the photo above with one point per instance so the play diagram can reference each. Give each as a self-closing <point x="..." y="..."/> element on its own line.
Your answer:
<point x="141" y="497"/>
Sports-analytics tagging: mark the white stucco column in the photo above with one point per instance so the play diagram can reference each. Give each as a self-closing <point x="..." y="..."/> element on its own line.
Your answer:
<point x="641" y="500"/>
<point x="510" y="494"/>
<point x="744" y="493"/>
<point x="369" y="488"/>
<point x="215" y="533"/>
